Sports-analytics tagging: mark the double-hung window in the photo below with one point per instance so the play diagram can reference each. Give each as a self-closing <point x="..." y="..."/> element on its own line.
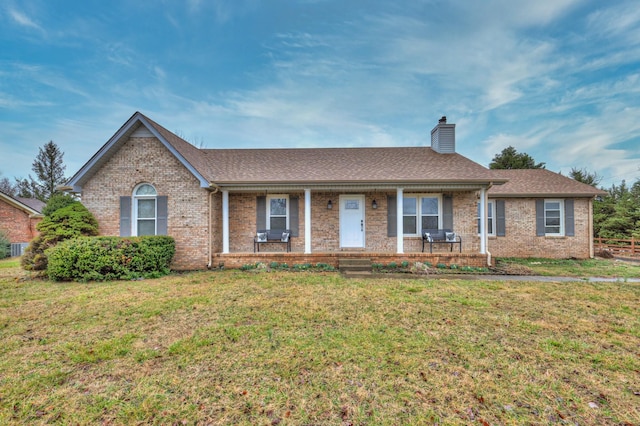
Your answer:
<point x="421" y="212"/>
<point x="278" y="212"/>
<point x="145" y="210"/>
<point x="554" y="217"/>
<point x="491" y="208"/>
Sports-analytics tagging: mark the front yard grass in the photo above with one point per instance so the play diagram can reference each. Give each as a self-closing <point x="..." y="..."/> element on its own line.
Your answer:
<point x="579" y="268"/>
<point x="268" y="348"/>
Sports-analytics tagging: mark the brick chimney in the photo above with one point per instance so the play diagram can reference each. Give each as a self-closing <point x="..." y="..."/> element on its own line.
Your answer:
<point x="443" y="137"/>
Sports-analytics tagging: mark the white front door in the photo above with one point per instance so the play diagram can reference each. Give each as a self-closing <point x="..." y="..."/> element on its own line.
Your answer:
<point x="352" y="221"/>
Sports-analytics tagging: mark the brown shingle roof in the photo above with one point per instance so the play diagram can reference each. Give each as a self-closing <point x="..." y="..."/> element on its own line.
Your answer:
<point x="34" y="203"/>
<point x="540" y="183"/>
<point x="357" y="165"/>
<point x="331" y="166"/>
<point x="326" y="165"/>
<point x="28" y="205"/>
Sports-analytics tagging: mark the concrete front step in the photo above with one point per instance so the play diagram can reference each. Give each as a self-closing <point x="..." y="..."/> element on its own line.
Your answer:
<point x="354" y="265"/>
<point x="357" y="274"/>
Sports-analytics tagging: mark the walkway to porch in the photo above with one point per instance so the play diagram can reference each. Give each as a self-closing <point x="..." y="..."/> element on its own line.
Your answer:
<point x="237" y="260"/>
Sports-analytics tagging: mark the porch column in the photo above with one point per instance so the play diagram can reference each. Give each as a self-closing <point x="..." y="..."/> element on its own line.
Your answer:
<point x="483" y="221"/>
<point x="225" y="221"/>
<point x="307" y="221"/>
<point x="399" y="220"/>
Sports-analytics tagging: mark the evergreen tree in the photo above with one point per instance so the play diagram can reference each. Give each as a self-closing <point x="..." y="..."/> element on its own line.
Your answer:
<point x="617" y="215"/>
<point x="584" y="176"/>
<point x="28" y="188"/>
<point x="49" y="169"/>
<point x="509" y="158"/>
<point x="7" y="187"/>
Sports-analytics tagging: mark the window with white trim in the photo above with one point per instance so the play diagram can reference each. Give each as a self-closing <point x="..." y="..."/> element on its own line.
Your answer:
<point x="491" y="208"/>
<point x="278" y="212"/>
<point x="554" y="217"/>
<point x="145" y="210"/>
<point x="421" y="212"/>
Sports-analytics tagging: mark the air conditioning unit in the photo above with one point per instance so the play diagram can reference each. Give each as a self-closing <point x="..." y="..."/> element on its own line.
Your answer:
<point x="17" y="249"/>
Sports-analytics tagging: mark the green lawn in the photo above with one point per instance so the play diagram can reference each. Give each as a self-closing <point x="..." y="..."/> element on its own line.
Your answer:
<point x="573" y="268"/>
<point x="291" y="348"/>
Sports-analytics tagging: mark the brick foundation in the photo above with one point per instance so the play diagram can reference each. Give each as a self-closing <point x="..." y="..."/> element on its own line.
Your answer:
<point x="237" y="260"/>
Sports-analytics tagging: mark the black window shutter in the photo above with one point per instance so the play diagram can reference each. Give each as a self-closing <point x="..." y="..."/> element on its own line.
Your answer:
<point x="261" y="212"/>
<point x="500" y="219"/>
<point x="163" y="210"/>
<point x="125" y="216"/>
<point x="540" y="218"/>
<point x="294" y="218"/>
<point x="392" y="216"/>
<point x="447" y="211"/>
<point x="569" y="222"/>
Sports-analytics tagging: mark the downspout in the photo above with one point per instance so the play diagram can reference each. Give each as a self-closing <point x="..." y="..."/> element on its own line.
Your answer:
<point x="210" y="238"/>
<point x="591" y="236"/>
<point x="486" y="221"/>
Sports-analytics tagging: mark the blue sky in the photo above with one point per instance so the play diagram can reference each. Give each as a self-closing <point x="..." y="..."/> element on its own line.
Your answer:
<point x="557" y="79"/>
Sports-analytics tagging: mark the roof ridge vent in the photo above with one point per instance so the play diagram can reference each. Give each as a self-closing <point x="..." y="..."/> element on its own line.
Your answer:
<point x="443" y="137"/>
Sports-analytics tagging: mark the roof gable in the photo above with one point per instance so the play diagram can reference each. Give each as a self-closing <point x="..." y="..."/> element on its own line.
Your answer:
<point x="30" y="206"/>
<point x="186" y="153"/>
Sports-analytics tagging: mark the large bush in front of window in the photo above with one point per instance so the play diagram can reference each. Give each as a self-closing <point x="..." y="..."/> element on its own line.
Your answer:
<point x="72" y="220"/>
<point x="110" y="258"/>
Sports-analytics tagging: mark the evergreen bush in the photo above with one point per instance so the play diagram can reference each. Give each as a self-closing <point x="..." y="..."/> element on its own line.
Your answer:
<point x="56" y="202"/>
<point x="72" y="220"/>
<point x="110" y="258"/>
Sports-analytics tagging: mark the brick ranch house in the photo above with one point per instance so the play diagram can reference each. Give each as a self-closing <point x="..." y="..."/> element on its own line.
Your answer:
<point x="336" y="202"/>
<point x="18" y="219"/>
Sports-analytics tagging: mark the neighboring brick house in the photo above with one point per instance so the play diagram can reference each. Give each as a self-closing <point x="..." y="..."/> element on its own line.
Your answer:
<point x="335" y="201"/>
<point x="18" y="219"/>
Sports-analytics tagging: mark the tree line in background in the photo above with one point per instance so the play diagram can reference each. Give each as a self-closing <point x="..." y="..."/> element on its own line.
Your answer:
<point x="615" y="215"/>
<point x="48" y="167"/>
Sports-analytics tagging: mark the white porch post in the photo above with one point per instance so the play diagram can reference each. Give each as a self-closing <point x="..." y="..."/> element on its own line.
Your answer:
<point x="307" y="221"/>
<point x="483" y="221"/>
<point x="399" y="220"/>
<point x="225" y="221"/>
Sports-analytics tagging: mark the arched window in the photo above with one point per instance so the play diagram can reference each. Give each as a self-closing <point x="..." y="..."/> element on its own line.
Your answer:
<point x="145" y="210"/>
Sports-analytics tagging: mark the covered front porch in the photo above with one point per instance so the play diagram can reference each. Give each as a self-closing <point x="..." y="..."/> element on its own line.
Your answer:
<point x="328" y="223"/>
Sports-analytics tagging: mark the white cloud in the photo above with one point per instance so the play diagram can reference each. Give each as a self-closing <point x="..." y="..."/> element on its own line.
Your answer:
<point x="22" y="19"/>
<point x="618" y="19"/>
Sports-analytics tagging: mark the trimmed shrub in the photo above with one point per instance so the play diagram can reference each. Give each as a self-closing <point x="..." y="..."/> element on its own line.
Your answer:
<point x="110" y="258"/>
<point x="56" y="202"/>
<point x="72" y="220"/>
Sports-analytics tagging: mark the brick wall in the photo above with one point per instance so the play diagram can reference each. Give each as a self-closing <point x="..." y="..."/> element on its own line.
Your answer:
<point x="325" y="233"/>
<point x="19" y="226"/>
<point x="521" y="239"/>
<point x="147" y="160"/>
